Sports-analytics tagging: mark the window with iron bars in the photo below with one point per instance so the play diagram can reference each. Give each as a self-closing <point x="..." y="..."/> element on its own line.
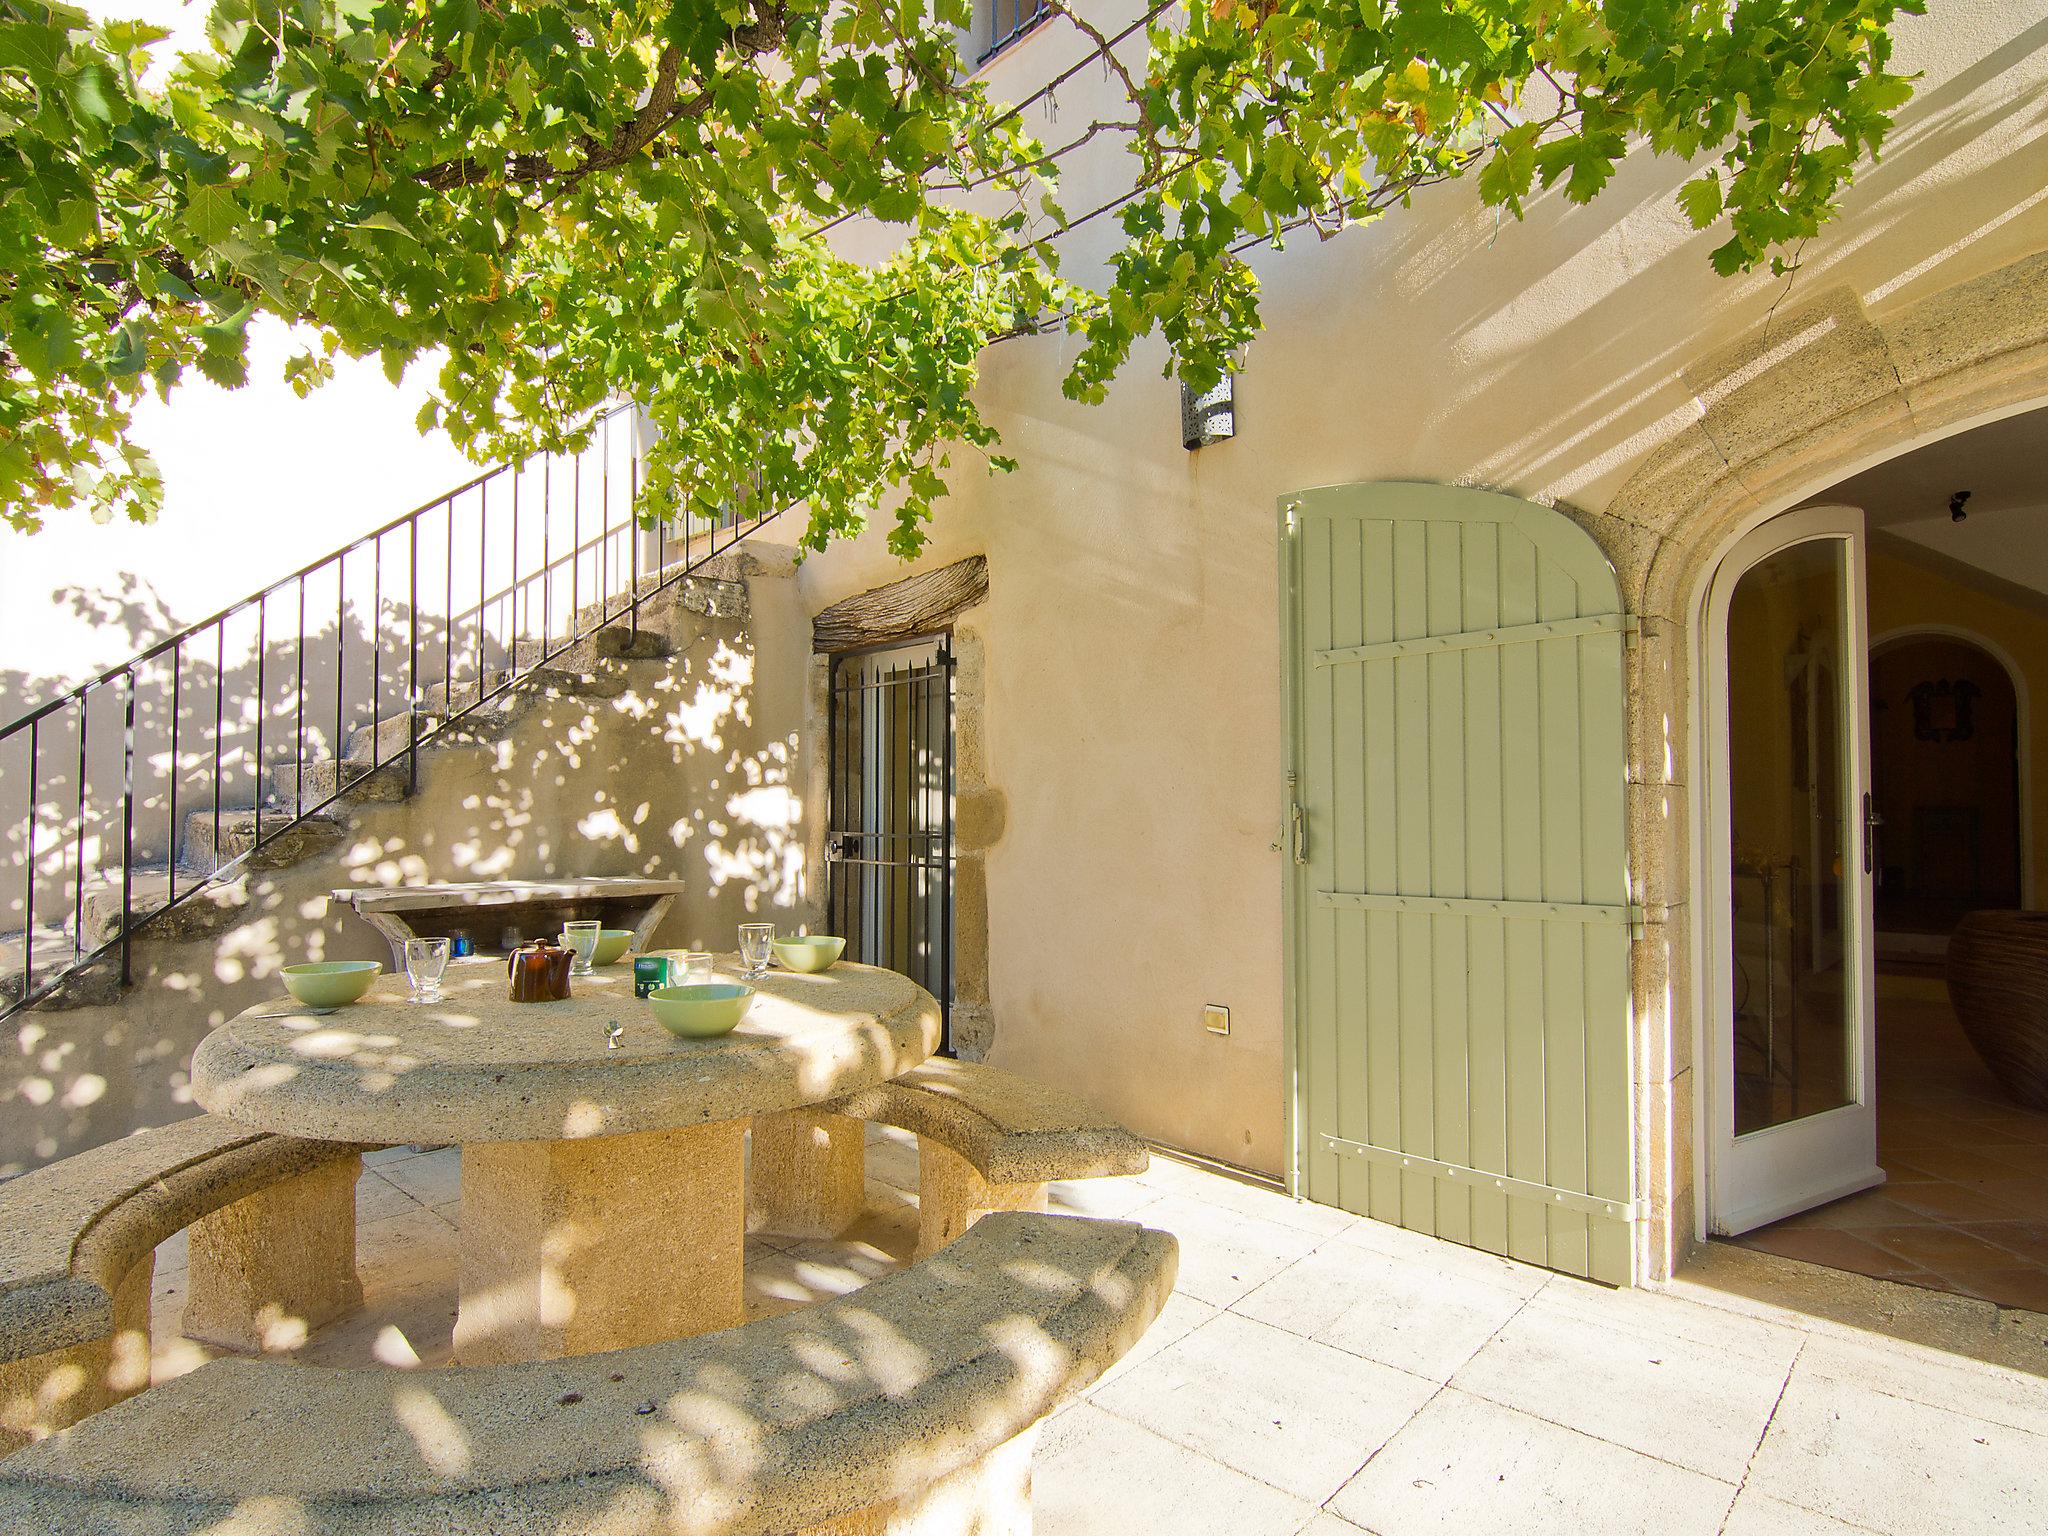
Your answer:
<point x="1009" y="20"/>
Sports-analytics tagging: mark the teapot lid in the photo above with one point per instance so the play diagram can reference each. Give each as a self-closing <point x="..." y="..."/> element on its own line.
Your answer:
<point x="542" y="946"/>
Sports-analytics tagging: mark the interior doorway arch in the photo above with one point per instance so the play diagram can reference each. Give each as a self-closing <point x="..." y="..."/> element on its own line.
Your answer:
<point x="1949" y="772"/>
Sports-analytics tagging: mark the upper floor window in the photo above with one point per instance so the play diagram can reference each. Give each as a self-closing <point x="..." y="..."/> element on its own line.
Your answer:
<point x="1002" y="22"/>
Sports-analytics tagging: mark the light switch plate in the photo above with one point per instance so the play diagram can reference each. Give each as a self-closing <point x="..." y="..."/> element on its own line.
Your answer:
<point x="1216" y="1019"/>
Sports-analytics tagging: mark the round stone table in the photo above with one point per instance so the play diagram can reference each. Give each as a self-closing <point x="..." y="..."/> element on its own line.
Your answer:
<point x="603" y="1191"/>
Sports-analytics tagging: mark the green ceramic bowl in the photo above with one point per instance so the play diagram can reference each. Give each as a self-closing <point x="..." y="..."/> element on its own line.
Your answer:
<point x="331" y="983"/>
<point x="612" y="944"/>
<point x="702" y="1009"/>
<point x="814" y="953"/>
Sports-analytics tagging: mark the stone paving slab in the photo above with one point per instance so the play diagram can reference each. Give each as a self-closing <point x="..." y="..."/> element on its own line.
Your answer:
<point x="1316" y="1374"/>
<point x="1291" y="1412"/>
<point x="1690" y="1404"/>
<point x="1467" y="1467"/>
<point x="1900" y="1467"/>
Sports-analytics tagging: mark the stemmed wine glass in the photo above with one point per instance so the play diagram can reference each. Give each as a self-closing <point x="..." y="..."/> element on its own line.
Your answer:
<point x="582" y="937"/>
<point x="757" y="944"/>
<point x="425" y="961"/>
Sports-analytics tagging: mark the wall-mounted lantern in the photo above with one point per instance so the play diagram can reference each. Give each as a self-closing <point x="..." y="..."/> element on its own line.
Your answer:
<point x="1210" y="416"/>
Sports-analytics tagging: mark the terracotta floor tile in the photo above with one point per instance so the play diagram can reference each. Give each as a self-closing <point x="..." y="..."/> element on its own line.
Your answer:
<point x="1935" y="1247"/>
<point x="1903" y="1170"/>
<point x="1829" y="1246"/>
<point x="2027" y="1196"/>
<point x="1958" y="1203"/>
<point x="2026" y="1239"/>
<point x="2024" y="1156"/>
<point x="2017" y="1125"/>
<point x="1962" y="1164"/>
<point x="2010" y="1285"/>
<point x="1872" y="1208"/>
<point x="1908" y="1135"/>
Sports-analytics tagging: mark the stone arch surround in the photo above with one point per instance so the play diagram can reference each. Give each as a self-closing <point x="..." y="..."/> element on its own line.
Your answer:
<point x="1821" y="391"/>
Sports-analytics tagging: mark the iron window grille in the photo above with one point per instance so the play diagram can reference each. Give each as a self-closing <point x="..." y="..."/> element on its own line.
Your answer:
<point x="1010" y="20"/>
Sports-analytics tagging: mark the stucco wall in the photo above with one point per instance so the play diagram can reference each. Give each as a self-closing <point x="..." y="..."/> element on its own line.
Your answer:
<point x="690" y="768"/>
<point x="1589" y="357"/>
<point x="1132" y="632"/>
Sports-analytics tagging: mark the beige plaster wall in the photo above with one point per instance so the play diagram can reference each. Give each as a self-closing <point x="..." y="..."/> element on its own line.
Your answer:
<point x="691" y="768"/>
<point x="1588" y="357"/>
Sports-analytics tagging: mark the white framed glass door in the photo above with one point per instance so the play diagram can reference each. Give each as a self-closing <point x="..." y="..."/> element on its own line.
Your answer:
<point x="1792" y="1023"/>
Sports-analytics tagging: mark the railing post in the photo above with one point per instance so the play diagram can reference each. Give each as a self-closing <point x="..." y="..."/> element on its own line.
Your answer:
<point x="127" y="826"/>
<point x="177" y="708"/>
<point x="633" y="522"/>
<point x="28" y="845"/>
<point x="412" y="678"/>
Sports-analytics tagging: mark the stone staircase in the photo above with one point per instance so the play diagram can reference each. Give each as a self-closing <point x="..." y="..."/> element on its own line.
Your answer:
<point x="303" y="808"/>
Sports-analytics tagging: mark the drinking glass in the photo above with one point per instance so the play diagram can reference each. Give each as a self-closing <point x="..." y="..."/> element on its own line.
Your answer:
<point x="425" y="960"/>
<point x="757" y="944"/>
<point x="582" y="937"/>
<point x="695" y="966"/>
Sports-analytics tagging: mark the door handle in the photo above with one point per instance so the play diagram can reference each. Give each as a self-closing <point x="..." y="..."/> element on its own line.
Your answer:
<point x="1299" y="822"/>
<point x="1872" y="821"/>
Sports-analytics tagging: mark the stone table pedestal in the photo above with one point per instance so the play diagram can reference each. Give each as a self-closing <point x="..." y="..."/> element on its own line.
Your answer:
<point x="572" y="1247"/>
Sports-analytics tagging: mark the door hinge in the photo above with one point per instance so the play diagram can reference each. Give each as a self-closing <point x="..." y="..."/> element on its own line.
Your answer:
<point x="1479" y="1178"/>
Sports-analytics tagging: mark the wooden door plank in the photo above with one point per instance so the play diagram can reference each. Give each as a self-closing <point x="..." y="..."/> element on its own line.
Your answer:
<point x="1381" y="779"/>
<point x="1486" y="1114"/>
<point x="1340" y="828"/>
<point x="1449" y="1019"/>
<point x="1564" y="862"/>
<point x="1414" y="1054"/>
<point x="1317" y="1008"/>
<point x="1522" y="880"/>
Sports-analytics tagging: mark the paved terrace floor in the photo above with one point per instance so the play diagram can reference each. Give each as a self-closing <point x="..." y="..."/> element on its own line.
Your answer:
<point x="1320" y="1375"/>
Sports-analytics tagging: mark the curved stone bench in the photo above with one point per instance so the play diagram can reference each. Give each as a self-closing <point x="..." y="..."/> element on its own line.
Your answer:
<point x="987" y="1141"/>
<point x="914" y="1399"/>
<point x="272" y="1256"/>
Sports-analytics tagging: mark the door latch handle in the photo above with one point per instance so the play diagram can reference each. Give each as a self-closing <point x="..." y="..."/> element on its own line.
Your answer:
<point x="1872" y="821"/>
<point x="1299" y="823"/>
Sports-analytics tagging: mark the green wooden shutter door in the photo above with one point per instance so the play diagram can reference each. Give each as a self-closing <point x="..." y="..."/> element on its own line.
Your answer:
<point x="1459" y="918"/>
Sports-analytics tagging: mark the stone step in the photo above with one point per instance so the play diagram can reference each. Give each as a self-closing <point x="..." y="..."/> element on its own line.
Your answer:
<point x="201" y="912"/>
<point x="50" y="949"/>
<point x="289" y="787"/>
<point x="393" y="733"/>
<point x="209" y="845"/>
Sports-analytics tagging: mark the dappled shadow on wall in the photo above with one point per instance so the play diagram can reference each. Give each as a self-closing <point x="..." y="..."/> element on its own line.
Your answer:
<point x="656" y="768"/>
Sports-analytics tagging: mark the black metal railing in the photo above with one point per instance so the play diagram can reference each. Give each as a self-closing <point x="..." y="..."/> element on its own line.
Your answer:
<point x="155" y="781"/>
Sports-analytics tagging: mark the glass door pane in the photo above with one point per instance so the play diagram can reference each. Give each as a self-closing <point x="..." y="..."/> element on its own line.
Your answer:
<point x="1794" y="838"/>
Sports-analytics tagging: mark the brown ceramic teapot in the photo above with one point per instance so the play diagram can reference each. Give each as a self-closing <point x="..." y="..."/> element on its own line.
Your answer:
<point x="539" y="972"/>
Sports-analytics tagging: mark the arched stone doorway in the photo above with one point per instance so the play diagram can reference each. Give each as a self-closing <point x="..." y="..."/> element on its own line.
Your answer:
<point x="1817" y="394"/>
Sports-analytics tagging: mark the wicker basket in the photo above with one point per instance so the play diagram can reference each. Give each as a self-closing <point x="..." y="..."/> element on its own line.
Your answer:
<point x="1998" y="982"/>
